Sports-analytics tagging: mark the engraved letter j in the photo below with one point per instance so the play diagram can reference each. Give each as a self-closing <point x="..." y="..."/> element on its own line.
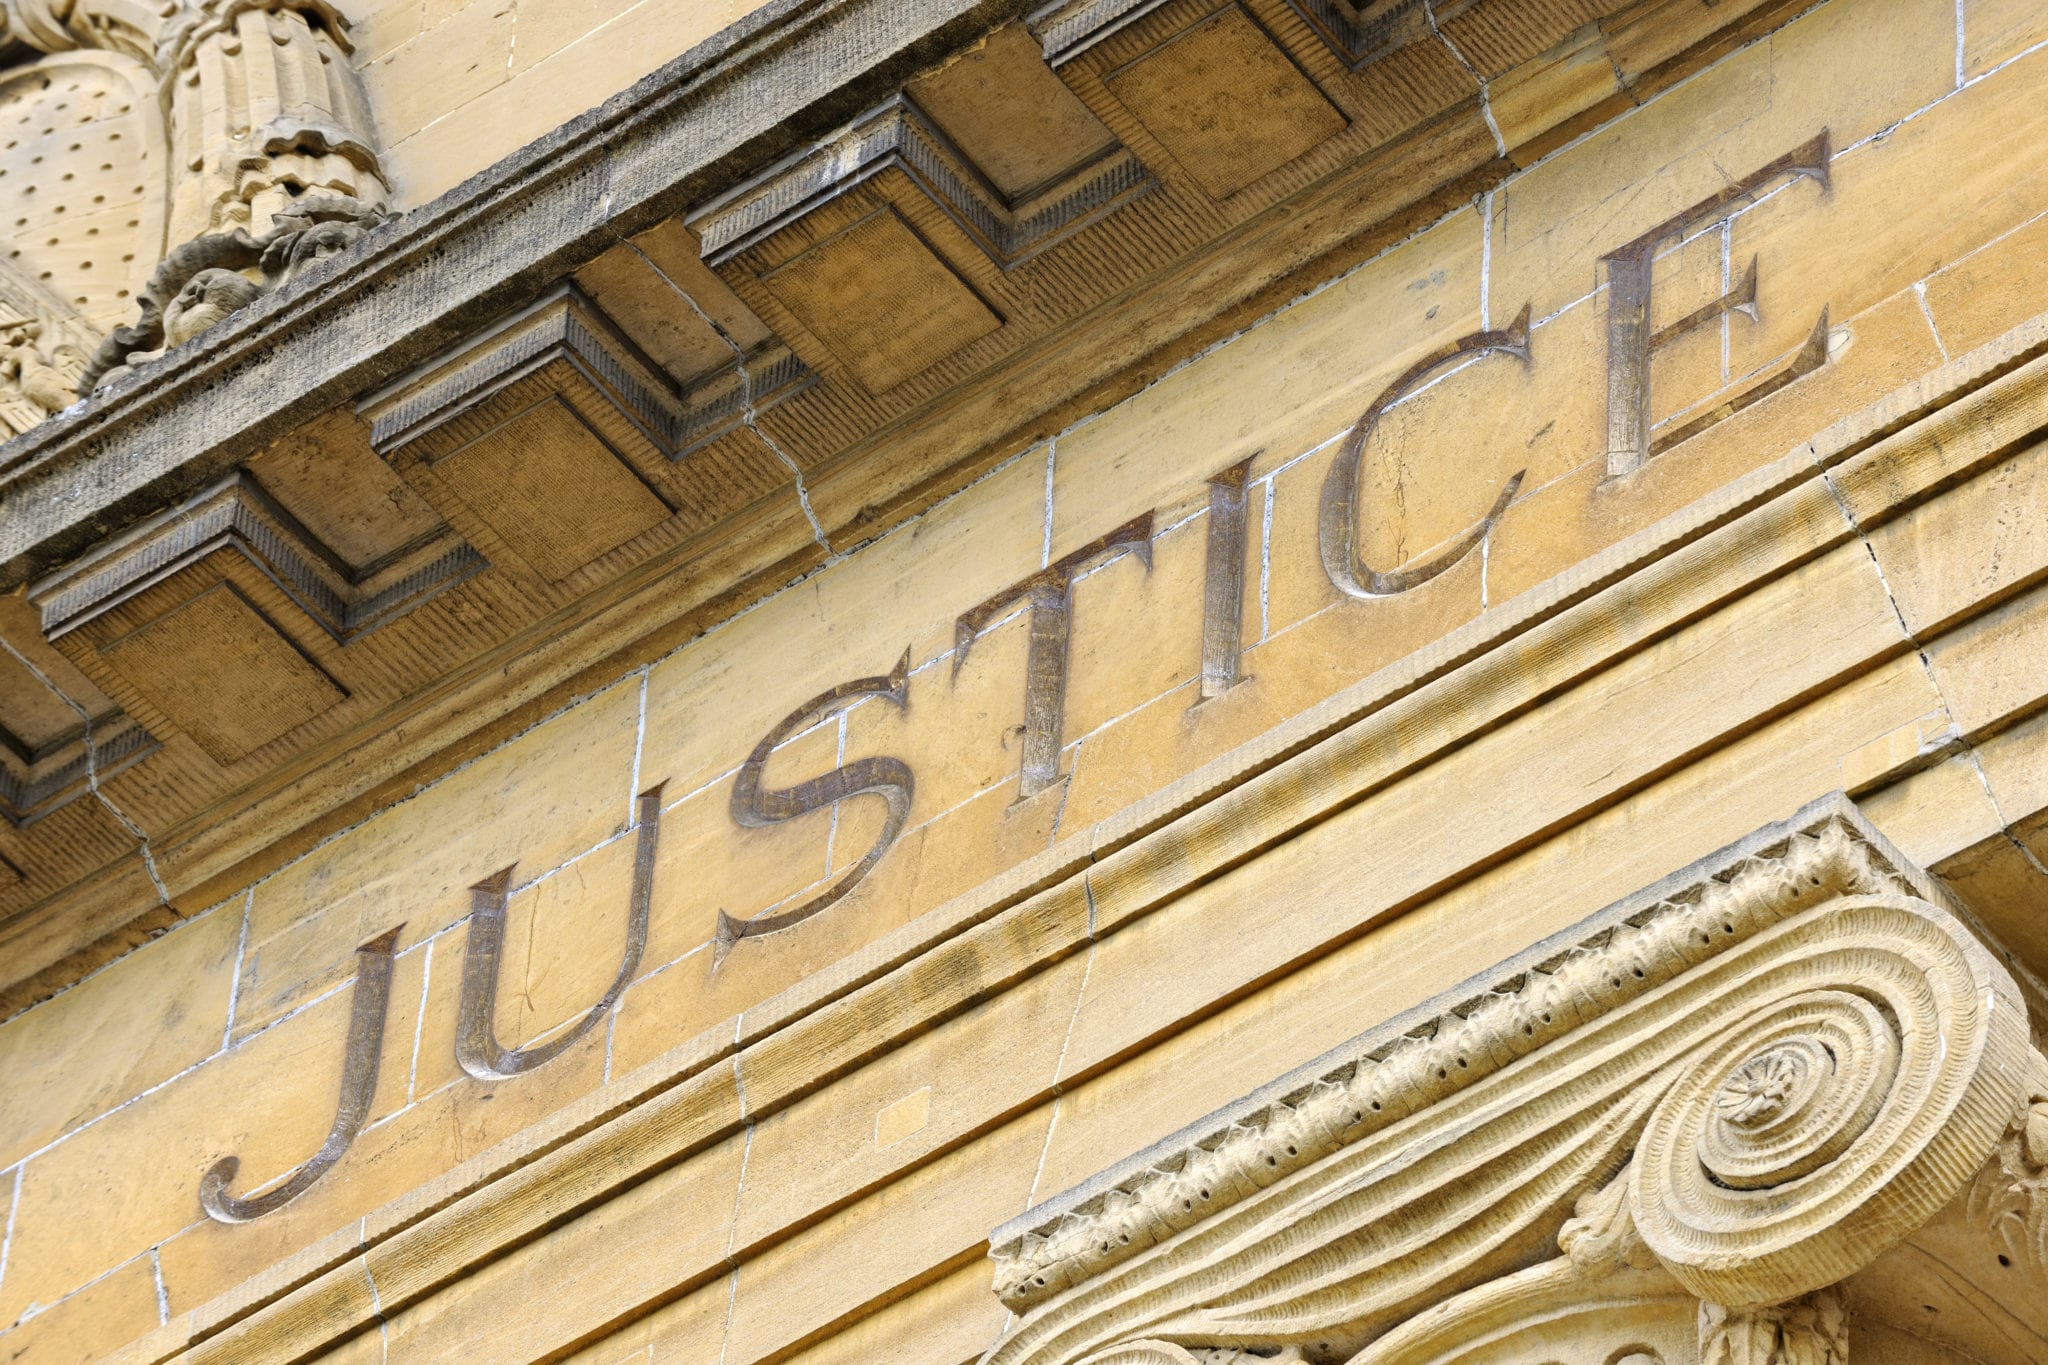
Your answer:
<point x="358" y="1085"/>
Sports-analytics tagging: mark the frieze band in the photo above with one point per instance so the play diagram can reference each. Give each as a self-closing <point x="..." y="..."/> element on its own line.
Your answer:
<point x="1046" y="598"/>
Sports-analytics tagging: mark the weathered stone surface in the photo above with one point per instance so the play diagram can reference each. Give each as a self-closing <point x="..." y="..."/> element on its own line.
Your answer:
<point x="124" y="1031"/>
<point x="796" y="1144"/>
<point x="546" y="796"/>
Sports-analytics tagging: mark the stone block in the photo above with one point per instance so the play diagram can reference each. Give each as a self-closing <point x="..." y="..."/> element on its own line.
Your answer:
<point x="1014" y="119"/>
<point x="929" y="864"/>
<point x="1151" y="1051"/>
<point x="268" y="1100"/>
<point x="1951" y="557"/>
<point x="1283" y="387"/>
<point x="379" y="27"/>
<point x="710" y="702"/>
<point x="961" y="731"/>
<point x="1870" y="354"/>
<point x="1300" y="665"/>
<point x="1572" y="83"/>
<point x="854" y="1261"/>
<point x="995" y="1058"/>
<point x="411" y="973"/>
<point x="551" y="487"/>
<point x="1996" y="31"/>
<point x="1998" y="880"/>
<point x="2015" y="766"/>
<point x="1990" y="668"/>
<point x="631" y="1251"/>
<point x="1553" y="527"/>
<point x="710" y="863"/>
<point x="1656" y="46"/>
<point x="1852" y="69"/>
<point x="1137" y="630"/>
<point x="1413" y="501"/>
<point x="544" y="30"/>
<point x="1989" y="290"/>
<point x="404" y="1153"/>
<point x="456" y="58"/>
<point x="1890" y="756"/>
<point x="153" y="1013"/>
<point x="1933" y="814"/>
<point x="686" y="1332"/>
<point x="564" y="942"/>
<point x="1883" y="230"/>
<point x="1499" y="789"/>
<point x="954" y="853"/>
<point x="951" y="1319"/>
<point x="90" y="1324"/>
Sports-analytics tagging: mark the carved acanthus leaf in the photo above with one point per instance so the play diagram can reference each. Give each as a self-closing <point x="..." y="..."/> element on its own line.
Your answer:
<point x="2009" y="1197"/>
<point x="1807" y="1331"/>
<point x="1601" y="1237"/>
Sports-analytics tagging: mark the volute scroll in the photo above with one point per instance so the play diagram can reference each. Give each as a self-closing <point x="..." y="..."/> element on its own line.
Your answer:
<point x="1815" y="1133"/>
<point x="1753" y="1080"/>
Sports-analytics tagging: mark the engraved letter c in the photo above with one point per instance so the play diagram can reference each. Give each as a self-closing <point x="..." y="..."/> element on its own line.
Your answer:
<point x="1339" y="513"/>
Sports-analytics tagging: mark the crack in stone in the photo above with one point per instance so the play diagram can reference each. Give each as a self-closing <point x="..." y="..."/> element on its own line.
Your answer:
<point x="1500" y="144"/>
<point x="1960" y="747"/>
<point x="749" y="414"/>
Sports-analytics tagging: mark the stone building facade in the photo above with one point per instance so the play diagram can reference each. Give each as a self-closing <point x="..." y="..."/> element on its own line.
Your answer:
<point x="1111" y="682"/>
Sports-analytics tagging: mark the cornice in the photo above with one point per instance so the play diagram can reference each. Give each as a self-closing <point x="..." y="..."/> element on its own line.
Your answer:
<point x="1041" y="302"/>
<point x="784" y="73"/>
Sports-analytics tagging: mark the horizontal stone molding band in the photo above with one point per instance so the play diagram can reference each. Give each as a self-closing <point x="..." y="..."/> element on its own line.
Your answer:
<point x="1378" y="1083"/>
<point x="1925" y="437"/>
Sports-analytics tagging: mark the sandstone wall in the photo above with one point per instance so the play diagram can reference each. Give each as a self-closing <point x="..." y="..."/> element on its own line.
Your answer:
<point x="1510" y="766"/>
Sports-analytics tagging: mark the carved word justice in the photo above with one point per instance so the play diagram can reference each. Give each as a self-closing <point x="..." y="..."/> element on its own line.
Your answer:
<point x="1047" y="598"/>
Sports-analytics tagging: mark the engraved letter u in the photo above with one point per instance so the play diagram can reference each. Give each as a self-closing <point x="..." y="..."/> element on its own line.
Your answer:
<point x="477" y="1049"/>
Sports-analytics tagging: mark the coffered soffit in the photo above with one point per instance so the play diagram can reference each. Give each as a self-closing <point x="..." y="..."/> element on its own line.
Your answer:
<point x="1017" y="130"/>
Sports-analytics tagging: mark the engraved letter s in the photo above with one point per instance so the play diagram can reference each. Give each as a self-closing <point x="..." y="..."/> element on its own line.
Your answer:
<point x="755" y="806"/>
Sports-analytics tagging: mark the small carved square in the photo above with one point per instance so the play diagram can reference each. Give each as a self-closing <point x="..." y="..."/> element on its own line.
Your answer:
<point x="1226" y="101"/>
<point x="881" y="300"/>
<point x="223" y="673"/>
<point x="552" y="488"/>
